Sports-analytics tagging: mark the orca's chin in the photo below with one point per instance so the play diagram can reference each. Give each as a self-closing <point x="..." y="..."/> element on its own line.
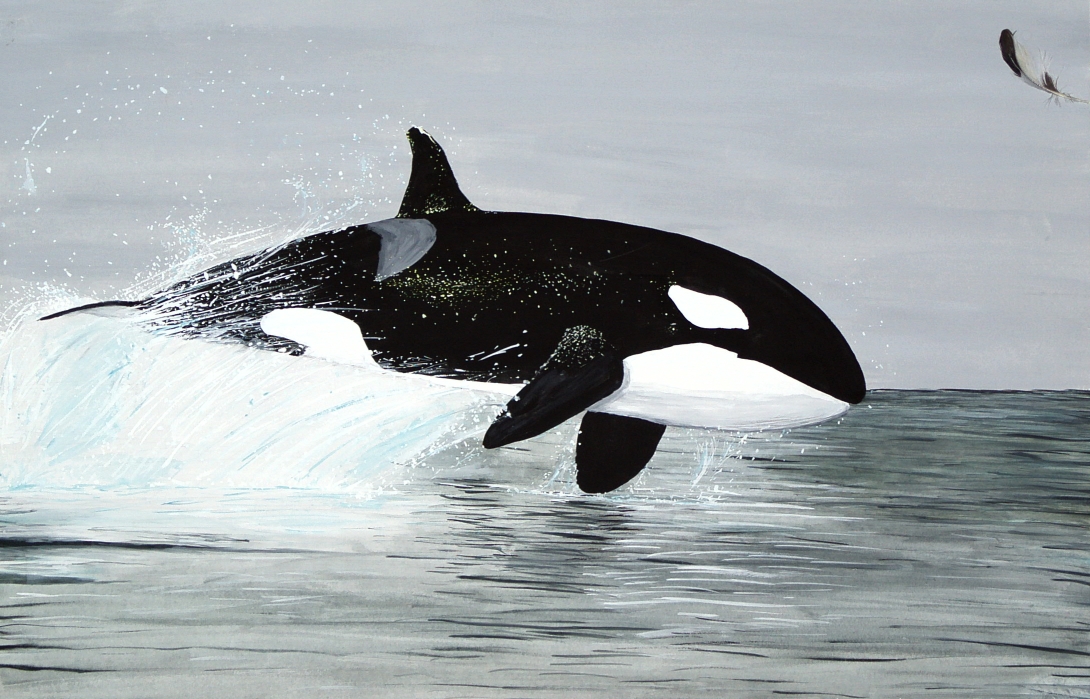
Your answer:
<point x="833" y="372"/>
<point x="852" y="387"/>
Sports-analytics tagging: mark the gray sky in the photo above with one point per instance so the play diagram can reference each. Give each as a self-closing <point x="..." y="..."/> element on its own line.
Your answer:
<point x="879" y="156"/>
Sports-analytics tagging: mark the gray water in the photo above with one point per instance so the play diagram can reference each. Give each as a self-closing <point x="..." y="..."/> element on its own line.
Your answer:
<point x="927" y="544"/>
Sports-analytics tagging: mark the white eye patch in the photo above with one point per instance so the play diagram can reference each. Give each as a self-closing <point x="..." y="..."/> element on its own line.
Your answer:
<point x="707" y="311"/>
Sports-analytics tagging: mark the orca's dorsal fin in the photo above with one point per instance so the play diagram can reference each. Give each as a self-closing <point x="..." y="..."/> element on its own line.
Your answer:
<point x="432" y="188"/>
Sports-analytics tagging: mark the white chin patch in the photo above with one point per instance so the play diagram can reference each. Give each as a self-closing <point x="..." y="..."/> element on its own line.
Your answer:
<point x="707" y="311"/>
<point x="698" y="385"/>
<point x="325" y="334"/>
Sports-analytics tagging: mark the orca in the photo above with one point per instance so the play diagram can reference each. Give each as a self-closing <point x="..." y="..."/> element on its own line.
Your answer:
<point x="634" y="327"/>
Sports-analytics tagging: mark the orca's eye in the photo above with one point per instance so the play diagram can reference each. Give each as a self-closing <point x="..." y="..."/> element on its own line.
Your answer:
<point x="707" y="311"/>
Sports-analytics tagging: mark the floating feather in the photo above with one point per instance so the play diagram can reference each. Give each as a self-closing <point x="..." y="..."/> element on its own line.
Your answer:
<point x="1032" y="70"/>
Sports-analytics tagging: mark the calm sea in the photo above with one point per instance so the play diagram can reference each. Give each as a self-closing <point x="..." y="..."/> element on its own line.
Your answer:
<point x="186" y="544"/>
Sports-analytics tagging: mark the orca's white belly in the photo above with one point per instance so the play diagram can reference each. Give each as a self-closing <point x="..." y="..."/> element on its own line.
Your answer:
<point x="699" y="385"/>
<point x="695" y="385"/>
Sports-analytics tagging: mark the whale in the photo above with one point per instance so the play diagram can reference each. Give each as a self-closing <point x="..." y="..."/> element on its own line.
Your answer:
<point x="633" y="328"/>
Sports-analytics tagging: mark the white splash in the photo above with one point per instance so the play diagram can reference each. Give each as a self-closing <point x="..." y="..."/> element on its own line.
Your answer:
<point x="96" y="401"/>
<point x="28" y="183"/>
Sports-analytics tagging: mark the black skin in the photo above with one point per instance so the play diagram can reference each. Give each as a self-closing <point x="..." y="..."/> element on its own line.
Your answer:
<point x="496" y="279"/>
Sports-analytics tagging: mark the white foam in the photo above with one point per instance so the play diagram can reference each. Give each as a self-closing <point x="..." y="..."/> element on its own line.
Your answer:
<point x="86" y="400"/>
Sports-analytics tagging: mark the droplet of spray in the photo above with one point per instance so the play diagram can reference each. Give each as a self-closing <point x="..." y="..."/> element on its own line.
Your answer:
<point x="28" y="183"/>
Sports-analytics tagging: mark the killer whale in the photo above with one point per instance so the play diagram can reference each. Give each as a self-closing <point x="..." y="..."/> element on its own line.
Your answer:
<point x="635" y="327"/>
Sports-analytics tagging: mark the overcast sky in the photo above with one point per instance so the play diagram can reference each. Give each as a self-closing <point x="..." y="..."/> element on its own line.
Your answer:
<point x="879" y="156"/>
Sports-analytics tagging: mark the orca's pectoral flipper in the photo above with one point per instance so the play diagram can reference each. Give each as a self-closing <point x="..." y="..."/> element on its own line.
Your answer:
<point x="582" y="370"/>
<point x="432" y="188"/>
<point x="612" y="449"/>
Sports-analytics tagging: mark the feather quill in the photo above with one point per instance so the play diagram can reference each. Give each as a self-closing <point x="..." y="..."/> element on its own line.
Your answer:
<point x="1032" y="70"/>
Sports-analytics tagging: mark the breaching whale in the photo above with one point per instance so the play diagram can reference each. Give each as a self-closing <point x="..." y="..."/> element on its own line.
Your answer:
<point x="635" y="327"/>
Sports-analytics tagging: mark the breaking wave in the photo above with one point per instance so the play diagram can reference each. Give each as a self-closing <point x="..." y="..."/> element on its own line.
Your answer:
<point x="99" y="401"/>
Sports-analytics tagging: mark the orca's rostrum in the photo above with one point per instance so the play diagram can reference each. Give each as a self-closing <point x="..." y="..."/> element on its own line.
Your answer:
<point x="637" y="327"/>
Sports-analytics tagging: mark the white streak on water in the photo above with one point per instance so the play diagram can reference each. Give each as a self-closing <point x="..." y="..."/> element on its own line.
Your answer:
<point x="28" y="183"/>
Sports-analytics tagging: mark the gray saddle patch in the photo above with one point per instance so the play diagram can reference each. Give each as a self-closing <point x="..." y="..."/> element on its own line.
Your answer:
<point x="404" y="242"/>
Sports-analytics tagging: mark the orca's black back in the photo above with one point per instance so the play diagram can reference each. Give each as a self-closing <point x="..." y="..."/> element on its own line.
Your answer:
<point x="494" y="294"/>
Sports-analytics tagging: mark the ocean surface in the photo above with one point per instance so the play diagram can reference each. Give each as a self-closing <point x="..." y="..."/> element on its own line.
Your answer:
<point x="180" y="519"/>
